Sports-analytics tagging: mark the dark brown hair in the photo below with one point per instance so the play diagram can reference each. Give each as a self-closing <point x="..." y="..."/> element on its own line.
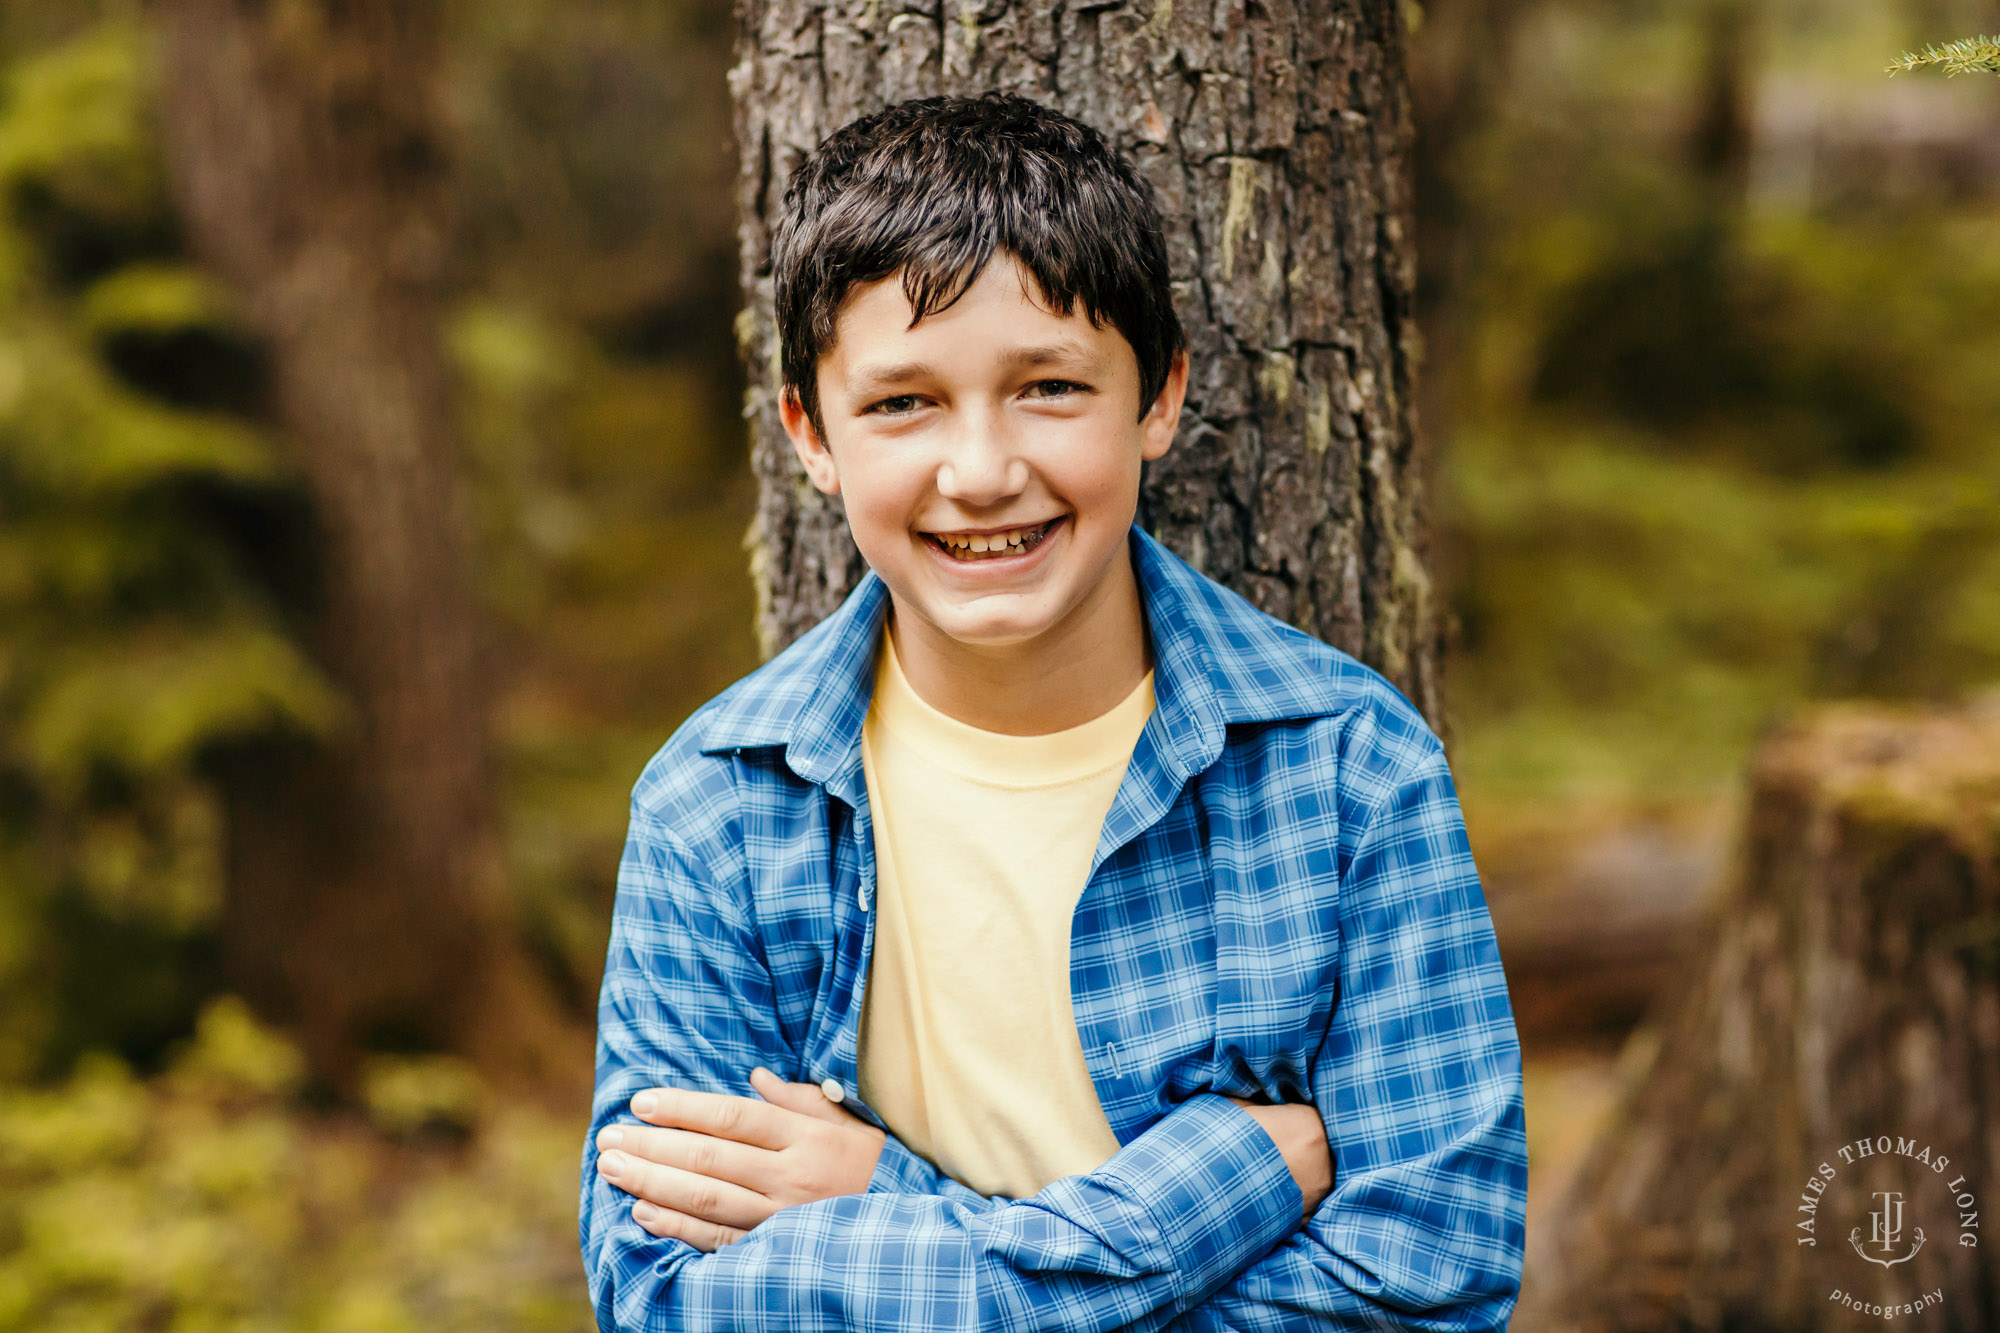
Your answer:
<point x="932" y="187"/>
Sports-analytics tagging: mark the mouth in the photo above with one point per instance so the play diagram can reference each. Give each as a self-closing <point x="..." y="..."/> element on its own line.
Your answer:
<point x="969" y="548"/>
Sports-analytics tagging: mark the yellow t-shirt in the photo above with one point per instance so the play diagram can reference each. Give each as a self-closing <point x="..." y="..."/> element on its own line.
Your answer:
<point x="969" y="1049"/>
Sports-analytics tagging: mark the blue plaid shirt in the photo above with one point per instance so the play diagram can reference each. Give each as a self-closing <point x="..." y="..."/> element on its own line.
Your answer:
<point x="1281" y="906"/>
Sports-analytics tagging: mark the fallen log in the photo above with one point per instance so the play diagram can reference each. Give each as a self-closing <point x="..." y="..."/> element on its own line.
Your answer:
<point x="1592" y="927"/>
<point x="1811" y="1121"/>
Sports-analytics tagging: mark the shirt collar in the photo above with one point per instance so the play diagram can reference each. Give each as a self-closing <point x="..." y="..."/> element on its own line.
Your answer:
<point x="1218" y="660"/>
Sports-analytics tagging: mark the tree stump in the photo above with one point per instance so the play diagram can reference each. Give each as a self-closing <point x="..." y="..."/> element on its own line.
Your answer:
<point x="1813" y="1121"/>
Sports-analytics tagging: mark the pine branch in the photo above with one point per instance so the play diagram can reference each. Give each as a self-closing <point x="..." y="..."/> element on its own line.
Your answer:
<point x="1970" y="55"/>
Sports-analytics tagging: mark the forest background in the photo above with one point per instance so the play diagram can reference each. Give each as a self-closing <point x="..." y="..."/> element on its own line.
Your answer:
<point x="1712" y="389"/>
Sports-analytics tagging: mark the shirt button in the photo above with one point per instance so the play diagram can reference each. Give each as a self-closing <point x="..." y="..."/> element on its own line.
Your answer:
<point x="834" y="1092"/>
<point x="864" y="895"/>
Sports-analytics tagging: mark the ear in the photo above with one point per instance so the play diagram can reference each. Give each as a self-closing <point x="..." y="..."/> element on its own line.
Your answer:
<point x="1163" y="418"/>
<point x="807" y="444"/>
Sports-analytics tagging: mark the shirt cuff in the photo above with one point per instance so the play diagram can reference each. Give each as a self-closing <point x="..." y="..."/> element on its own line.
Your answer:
<point x="1216" y="1185"/>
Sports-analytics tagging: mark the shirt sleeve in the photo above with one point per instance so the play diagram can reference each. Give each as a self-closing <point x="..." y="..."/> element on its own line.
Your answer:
<point x="1419" y="1083"/>
<point x="689" y="1001"/>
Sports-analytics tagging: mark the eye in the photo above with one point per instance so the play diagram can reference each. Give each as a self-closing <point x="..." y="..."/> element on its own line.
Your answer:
<point x="1047" y="389"/>
<point x="901" y="405"/>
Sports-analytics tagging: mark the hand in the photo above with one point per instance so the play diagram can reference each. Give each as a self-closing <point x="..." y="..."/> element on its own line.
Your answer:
<point x="716" y="1165"/>
<point x="1301" y="1138"/>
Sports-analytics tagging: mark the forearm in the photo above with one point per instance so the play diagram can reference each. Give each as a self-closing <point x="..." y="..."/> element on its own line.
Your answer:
<point x="1333" y="1274"/>
<point x="1367" y="1262"/>
<point x="1164" y="1224"/>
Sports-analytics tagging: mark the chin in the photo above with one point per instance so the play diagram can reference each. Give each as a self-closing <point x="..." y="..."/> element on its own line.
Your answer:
<point x="997" y="629"/>
<point x="991" y="634"/>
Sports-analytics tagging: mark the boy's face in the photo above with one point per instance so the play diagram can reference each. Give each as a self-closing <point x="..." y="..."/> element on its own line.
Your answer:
<point x="992" y="424"/>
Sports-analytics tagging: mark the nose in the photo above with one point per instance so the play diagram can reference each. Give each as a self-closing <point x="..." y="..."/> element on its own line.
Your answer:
<point x="980" y="465"/>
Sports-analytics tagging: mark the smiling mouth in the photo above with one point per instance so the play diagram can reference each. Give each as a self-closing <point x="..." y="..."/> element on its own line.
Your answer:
<point x="992" y="546"/>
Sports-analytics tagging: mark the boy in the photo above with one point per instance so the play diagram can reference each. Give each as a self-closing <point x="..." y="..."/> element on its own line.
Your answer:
<point x="1048" y="939"/>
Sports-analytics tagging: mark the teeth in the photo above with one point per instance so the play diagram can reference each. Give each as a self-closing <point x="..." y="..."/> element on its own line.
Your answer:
<point x="1012" y="542"/>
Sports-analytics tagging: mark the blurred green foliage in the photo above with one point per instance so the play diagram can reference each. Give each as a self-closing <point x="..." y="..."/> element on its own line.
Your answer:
<point x="157" y="575"/>
<point x="140" y="622"/>
<point x="1728" y="435"/>
<point x="205" y="1199"/>
<point x="601" y="413"/>
<point x="157" y="552"/>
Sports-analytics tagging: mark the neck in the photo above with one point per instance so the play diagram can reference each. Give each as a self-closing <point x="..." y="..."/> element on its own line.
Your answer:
<point x="1079" y="669"/>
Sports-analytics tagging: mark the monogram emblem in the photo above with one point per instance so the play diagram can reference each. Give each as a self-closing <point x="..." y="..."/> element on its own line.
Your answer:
<point x="1885" y="1230"/>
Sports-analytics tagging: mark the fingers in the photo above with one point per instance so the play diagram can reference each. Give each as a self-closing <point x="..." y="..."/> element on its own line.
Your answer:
<point x="701" y="1197"/>
<point x="743" y="1119"/>
<point x="689" y="1150"/>
<point x="804" y="1098"/>
<point x="670" y="1225"/>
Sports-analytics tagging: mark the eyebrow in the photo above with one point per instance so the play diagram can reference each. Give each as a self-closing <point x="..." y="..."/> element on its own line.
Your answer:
<point x="874" y="379"/>
<point x="1055" y="354"/>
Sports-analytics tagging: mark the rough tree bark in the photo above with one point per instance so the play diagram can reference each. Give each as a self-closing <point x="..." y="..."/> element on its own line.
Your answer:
<point x="1277" y="133"/>
<point x="366" y="897"/>
<point x="1848" y="994"/>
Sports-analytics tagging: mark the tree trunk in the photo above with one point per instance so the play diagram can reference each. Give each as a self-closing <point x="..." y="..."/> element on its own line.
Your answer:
<point x="1837" y="1041"/>
<point x="366" y="900"/>
<point x="1278" y="137"/>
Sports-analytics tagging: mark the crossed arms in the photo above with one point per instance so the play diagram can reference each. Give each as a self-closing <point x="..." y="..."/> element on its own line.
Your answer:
<point x="707" y="1168"/>
<point x="1192" y="1225"/>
